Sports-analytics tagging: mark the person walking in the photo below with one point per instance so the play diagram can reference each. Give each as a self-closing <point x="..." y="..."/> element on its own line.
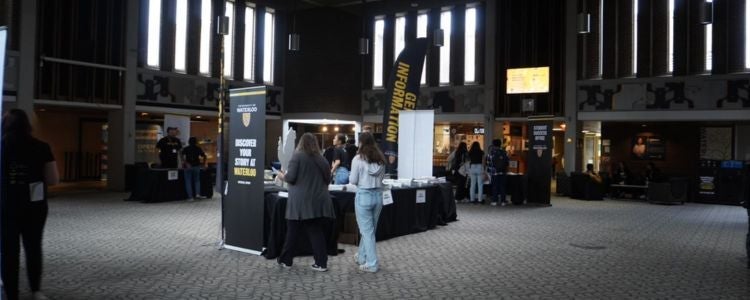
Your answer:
<point x="309" y="204"/>
<point x="497" y="167"/>
<point x="476" y="173"/>
<point x="28" y="168"/>
<point x="368" y="170"/>
<point x="193" y="159"/>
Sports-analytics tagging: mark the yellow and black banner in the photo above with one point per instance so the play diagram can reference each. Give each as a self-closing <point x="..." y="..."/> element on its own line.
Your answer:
<point x="402" y="93"/>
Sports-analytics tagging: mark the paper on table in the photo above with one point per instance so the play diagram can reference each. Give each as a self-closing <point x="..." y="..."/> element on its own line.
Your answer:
<point x="421" y="196"/>
<point x="387" y="197"/>
<point x="36" y="191"/>
<point x="172" y="175"/>
<point x="284" y="194"/>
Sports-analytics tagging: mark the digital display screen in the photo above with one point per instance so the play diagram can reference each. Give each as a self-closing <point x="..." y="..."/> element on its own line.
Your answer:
<point x="528" y="80"/>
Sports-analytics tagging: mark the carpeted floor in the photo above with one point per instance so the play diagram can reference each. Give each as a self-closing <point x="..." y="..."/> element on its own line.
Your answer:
<point x="100" y="247"/>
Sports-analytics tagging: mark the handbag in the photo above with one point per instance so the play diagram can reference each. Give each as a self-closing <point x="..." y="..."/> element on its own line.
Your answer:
<point x="464" y="169"/>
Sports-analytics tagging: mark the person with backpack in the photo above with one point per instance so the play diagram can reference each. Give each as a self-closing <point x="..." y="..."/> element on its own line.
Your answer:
<point x="498" y="168"/>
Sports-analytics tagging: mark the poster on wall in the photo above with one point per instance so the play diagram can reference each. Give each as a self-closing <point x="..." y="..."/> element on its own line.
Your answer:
<point x="182" y="123"/>
<point x="244" y="201"/>
<point x="146" y="137"/>
<point x="716" y="143"/>
<point x="648" y="148"/>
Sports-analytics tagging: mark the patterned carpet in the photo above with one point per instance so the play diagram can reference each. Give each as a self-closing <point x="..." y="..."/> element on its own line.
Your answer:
<point x="100" y="247"/>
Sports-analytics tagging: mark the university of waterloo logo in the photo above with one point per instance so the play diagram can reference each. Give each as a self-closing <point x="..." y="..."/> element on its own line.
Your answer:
<point x="246" y="119"/>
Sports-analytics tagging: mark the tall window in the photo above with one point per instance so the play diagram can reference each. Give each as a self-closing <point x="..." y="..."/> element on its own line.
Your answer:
<point x="445" y="50"/>
<point x="249" y="67"/>
<point x="601" y="37"/>
<point x="268" y="40"/>
<point x="635" y="37"/>
<point x="229" y="40"/>
<point x="400" y="40"/>
<point x="709" y="43"/>
<point x="422" y="33"/>
<point x="205" y="47"/>
<point x="470" y="46"/>
<point x="154" y="33"/>
<point x="377" y="54"/>
<point x="180" y="36"/>
<point x="670" y="37"/>
<point x="747" y="34"/>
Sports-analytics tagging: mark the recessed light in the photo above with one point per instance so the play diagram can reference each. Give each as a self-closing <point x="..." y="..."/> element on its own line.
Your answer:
<point x="198" y="117"/>
<point x="42" y="109"/>
<point x="143" y="114"/>
<point x="643" y="125"/>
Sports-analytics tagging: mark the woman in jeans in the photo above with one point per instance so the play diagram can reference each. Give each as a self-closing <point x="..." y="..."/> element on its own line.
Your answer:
<point x="309" y="204"/>
<point x="476" y="173"/>
<point x="368" y="169"/>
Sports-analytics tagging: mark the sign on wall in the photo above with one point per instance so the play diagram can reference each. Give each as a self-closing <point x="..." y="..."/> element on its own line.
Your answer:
<point x="244" y="202"/>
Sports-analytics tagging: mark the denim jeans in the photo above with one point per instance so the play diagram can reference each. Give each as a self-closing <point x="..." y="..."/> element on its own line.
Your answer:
<point x="367" y="205"/>
<point x="341" y="176"/>
<point x="193" y="179"/>
<point x="498" y="187"/>
<point x="476" y="173"/>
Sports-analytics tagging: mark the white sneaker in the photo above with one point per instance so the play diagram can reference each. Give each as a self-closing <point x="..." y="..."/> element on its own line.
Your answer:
<point x="365" y="268"/>
<point x="493" y="203"/>
<point x="502" y="203"/>
<point x="39" y="296"/>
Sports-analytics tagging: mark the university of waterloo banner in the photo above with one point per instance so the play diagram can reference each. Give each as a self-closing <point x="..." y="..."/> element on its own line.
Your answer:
<point x="402" y="92"/>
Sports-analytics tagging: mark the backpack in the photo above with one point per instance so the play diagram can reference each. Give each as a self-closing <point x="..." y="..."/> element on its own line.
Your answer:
<point x="500" y="160"/>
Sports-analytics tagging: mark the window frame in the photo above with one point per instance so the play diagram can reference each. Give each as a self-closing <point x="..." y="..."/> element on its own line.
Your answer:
<point x="378" y="52"/>
<point x="248" y="67"/>
<point x="269" y="46"/>
<point x="153" y="35"/>
<point x="446" y="48"/>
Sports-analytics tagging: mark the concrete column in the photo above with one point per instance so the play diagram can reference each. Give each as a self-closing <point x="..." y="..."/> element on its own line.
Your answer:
<point x="490" y="78"/>
<point x="122" y="122"/>
<point x="571" y="111"/>
<point x="27" y="63"/>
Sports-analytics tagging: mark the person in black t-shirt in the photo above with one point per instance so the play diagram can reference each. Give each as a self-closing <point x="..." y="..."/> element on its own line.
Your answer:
<point x="28" y="167"/>
<point x="340" y="166"/>
<point x="351" y="151"/>
<point x="169" y="147"/>
<point x="192" y="162"/>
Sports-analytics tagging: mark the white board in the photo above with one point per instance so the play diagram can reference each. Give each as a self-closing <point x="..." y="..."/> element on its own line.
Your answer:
<point x="415" y="139"/>
<point x="182" y="123"/>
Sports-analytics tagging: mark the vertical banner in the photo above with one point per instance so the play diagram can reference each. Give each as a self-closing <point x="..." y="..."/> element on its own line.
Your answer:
<point x="539" y="160"/>
<point x="402" y="91"/>
<point x="415" y="139"/>
<point x="243" y="203"/>
<point x="3" y="38"/>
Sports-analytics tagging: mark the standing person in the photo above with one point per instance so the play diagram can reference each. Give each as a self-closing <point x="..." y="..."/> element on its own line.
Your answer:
<point x="28" y="168"/>
<point x="309" y="203"/>
<point x="191" y="157"/>
<point x="351" y="150"/>
<point x="476" y="173"/>
<point x="169" y="147"/>
<point x="497" y="166"/>
<point x="368" y="170"/>
<point x="340" y="166"/>
<point x="459" y="157"/>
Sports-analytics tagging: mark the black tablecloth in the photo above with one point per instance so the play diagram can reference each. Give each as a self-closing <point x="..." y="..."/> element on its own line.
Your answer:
<point x="403" y="217"/>
<point x="153" y="185"/>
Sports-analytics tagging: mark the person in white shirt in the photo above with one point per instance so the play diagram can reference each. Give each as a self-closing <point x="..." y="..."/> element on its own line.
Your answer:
<point x="368" y="170"/>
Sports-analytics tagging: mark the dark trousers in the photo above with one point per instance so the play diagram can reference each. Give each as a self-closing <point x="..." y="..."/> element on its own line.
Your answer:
<point x="25" y="224"/>
<point x="747" y="240"/>
<point x="461" y="191"/>
<point x="315" y="232"/>
<point x="498" y="187"/>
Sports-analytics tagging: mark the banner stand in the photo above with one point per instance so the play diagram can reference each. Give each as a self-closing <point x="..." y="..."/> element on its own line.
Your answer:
<point x="244" y="202"/>
<point x="539" y="160"/>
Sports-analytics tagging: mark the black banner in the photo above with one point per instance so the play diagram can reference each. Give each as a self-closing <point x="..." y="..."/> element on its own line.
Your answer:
<point x="243" y="205"/>
<point x="539" y="160"/>
<point x="402" y="91"/>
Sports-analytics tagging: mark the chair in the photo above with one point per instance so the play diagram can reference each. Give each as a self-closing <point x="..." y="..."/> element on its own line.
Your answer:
<point x="562" y="181"/>
<point x="659" y="192"/>
<point x="679" y="189"/>
<point x="584" y="188"/>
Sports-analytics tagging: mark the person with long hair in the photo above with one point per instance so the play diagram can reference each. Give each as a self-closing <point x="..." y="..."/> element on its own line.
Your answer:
<point x="340" y="166"/>
<point x="458" y="174"/>
<point x="28" y="168"/>
<point x="309" y="204"/>
<point x="476" y="173"/>
<point x="368" y="170"/>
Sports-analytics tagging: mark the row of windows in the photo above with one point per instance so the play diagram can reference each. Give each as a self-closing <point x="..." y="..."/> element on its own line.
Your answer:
<point x="670" y="38"/>
<point x="470" y="42"/>
<point x="181" y="39"/>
